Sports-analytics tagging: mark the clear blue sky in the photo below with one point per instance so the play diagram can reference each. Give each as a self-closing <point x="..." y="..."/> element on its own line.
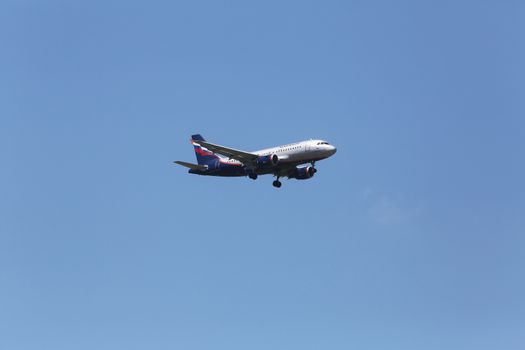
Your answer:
<point x="410" y="237"/>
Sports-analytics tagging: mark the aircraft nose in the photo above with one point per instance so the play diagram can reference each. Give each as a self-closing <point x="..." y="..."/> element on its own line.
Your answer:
<point x="332" y="150"/>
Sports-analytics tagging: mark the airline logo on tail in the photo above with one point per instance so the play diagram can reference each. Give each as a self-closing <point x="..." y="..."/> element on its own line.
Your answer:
<point x="204" y="155"/>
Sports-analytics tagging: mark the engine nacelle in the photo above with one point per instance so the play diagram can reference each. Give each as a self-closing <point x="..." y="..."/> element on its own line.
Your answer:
<point x="269" y="160"/>
<point x="304" y="173"/>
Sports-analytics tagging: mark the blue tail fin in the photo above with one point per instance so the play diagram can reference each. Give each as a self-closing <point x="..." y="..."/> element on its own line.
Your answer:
<point x="204" y="156"/>
<point x="197" y="137"/>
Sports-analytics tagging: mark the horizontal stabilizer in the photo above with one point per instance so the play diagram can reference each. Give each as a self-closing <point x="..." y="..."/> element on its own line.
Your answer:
<point x="192" y="166"/>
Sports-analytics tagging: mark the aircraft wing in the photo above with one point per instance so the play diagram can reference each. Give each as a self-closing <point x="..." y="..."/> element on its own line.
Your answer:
<point x="241" y="156"/>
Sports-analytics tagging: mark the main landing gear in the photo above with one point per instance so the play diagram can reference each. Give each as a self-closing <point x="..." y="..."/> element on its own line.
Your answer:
<point x="277" y="183"/>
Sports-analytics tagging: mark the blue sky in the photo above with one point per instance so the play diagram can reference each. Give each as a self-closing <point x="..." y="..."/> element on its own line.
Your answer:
<point x="410" y="237"/>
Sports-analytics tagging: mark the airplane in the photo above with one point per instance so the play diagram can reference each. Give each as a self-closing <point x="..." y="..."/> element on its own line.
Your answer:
<point x="281" y="161"/>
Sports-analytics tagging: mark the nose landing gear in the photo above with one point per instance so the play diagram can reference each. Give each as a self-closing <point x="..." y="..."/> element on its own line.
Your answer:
<point x="253" y="176"/>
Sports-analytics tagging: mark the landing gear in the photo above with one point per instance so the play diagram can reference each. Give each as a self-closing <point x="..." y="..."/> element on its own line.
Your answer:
<point x="277" y="183"/>
<point x="314" y="170"/>
<point x="253" y="176"/>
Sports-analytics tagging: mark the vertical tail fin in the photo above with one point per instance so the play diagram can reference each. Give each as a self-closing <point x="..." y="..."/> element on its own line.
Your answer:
<point x="204" y="156"/>
<point x="197" y="137"/>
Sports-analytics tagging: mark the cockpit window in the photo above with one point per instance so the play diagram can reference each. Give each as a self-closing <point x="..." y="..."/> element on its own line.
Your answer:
<point x="323" y="143"/>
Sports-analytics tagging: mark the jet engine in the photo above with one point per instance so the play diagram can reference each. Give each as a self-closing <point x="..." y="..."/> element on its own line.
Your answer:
<point x="303" y="173"/>
<point x="269" y="160"/>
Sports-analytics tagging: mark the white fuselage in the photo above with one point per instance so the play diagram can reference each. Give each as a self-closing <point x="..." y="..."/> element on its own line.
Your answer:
<point x="298" y="152"/>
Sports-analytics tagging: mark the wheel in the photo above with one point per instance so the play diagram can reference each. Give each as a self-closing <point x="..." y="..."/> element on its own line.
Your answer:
<point x="253" y="176"/>
<point x="277" y="183"/>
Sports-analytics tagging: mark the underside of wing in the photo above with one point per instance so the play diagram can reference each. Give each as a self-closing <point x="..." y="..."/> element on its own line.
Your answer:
<point x="285" y="169"/>
<point x="242" y="156"/>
